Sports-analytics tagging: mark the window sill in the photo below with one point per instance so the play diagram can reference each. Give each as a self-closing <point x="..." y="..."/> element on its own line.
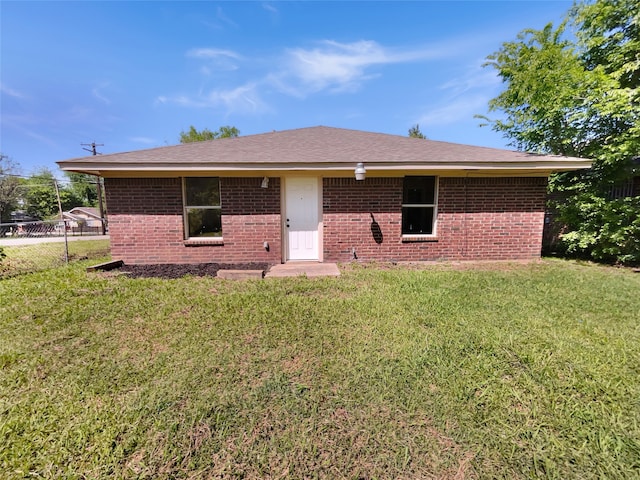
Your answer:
<point x="419" y="238"/>
<point x="199" y="242"/>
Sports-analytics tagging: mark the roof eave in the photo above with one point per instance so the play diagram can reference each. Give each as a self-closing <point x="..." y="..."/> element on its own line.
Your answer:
<point x="101" y="168"/>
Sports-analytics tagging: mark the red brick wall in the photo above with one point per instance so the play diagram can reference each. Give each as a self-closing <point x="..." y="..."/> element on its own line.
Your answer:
<point x="478" y="218"/>
<point x="503" y="220"/>
<point x="146" y="223"/>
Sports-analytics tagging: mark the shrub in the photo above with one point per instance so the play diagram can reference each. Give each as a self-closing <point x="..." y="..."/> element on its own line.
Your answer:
<point x="606" y="230"/>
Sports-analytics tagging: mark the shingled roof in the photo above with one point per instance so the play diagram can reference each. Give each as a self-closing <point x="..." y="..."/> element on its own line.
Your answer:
<point x="319" y="148"/>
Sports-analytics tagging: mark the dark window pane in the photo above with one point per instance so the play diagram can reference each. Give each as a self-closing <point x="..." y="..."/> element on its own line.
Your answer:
<point x="417" y="221"/>
<point x="203" y="191"/>
<point x="419" y="190"/>
<point x="205" y="222"/>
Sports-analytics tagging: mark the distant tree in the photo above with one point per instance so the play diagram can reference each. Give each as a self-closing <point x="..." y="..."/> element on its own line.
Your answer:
<point x="40" y="199"/>
<point x="414" y="132"/>
<point x="84" y="188"/>
<point x="227" y="131"/>
<point x="194" y="135"/>
<point x="9" y="187"/>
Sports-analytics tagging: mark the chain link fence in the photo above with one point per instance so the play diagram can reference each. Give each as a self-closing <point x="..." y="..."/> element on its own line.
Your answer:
<point x="32" y="246"/>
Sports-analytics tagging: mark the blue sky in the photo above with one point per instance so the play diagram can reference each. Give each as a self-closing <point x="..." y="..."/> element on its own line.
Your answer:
<point x="132" y="75"/>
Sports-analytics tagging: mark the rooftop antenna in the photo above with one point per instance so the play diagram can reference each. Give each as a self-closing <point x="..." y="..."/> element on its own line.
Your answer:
<point x="93" y="151"/>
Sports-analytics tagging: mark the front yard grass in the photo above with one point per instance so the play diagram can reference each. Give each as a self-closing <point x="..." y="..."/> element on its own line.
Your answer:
<point x="518" y="371"/>
<point x="22" y="259"/>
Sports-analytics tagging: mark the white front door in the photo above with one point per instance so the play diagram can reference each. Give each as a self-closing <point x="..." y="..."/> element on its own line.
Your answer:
<point x="301" y="210"/>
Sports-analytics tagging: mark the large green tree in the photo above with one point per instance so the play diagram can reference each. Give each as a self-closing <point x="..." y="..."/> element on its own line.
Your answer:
<point x="194" y="135"/>
<point x="580" y="96"/>
<point x="40" y="198"/>
<point x="84" y="187"/>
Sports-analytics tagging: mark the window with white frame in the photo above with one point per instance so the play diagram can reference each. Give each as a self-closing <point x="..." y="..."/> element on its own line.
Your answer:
<point x="419" y="205"/>
<point x="202" y="208"/>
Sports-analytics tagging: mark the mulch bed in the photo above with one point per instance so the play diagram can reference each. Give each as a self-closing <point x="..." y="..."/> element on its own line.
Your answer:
<point x="180" y="270"/>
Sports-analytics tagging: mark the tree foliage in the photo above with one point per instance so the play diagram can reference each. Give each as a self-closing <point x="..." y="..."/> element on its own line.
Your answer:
<point x="194" y="135"/>
<point x="414" y="132"/>
<point x="84" y="188"/>
<point x="580" y="97"/>
<point x="9" y="187"/>
<point x="36" y="194"/>
<point x="40" y="198"/>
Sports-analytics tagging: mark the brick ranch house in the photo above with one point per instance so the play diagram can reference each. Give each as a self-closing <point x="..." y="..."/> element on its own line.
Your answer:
<point x="293" y="195"/>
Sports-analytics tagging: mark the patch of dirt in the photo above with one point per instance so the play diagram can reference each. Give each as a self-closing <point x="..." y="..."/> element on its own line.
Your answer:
<point x="181" y="270"/>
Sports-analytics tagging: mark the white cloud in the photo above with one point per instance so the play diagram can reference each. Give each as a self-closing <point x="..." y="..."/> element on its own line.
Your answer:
<point x="269" y="7"/>
<point x="211" y="53"/>
<point x="340" y="67"/>
<point x="474" y="79"/>
<point x="97" y="93"/>
<point x="328" y="66"/>
<point x="220" y="15"/>
<point x="462" y="97"/>
<point x="335" y="65"/>
<point x="41" y="138"/>
<point x="11" y="92"/>
<point x="216" y="60"/>
<point x="181" y="100"/>
<point x="222" y="18"/>
<point x="452" y="111"/>
<point x="242" y="99"/>
<point x="220" y="21"/>
<point x="143" y="140"/>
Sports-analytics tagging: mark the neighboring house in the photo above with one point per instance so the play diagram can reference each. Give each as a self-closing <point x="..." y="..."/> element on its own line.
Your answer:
<point x="293" y="195"/>
<point x="83" y="220"/>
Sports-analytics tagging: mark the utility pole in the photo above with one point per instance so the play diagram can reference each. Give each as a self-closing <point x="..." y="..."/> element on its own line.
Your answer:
<point x="93" y="146"/>
<point x="93" y="151"/>
<point x="64" y="224"/>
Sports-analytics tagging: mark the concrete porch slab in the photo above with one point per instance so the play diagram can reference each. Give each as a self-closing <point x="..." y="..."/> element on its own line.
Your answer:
<point x="307" y="269"/>
<point x="240" y="274"/>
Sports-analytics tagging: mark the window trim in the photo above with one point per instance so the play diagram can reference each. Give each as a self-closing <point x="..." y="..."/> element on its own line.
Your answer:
<point x="195" y="241"/>
<point x="434" y="230"/>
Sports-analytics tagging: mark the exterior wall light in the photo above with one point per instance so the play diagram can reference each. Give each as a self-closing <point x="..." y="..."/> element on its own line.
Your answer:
<point x="360" y="171"/>
<point x="265" y="182"/>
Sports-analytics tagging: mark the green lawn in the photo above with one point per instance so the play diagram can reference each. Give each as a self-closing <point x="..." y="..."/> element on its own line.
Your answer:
<point x="507" y="371"/>
<point x="33" y="258"/>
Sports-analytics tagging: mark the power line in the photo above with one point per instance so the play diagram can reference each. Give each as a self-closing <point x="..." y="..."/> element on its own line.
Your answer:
<point x="93" y="146"/>
<point x="29" y="177"/>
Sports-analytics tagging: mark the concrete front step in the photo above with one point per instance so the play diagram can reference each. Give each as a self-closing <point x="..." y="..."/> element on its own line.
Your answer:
<point x="307" y="269"/>
<point x="240" y="274"/>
